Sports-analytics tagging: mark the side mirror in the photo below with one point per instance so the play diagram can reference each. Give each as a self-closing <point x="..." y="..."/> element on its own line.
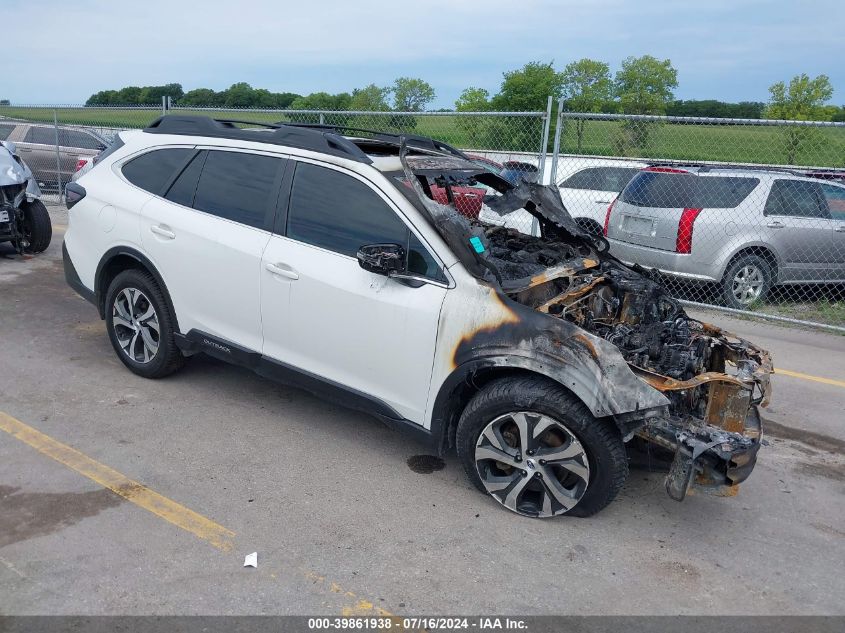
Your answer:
<point x="382" y="259"/>
<point x="9" y="145"/>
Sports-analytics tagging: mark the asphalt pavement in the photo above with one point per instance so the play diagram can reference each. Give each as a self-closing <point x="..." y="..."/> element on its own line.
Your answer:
<point x="120" y="495"/>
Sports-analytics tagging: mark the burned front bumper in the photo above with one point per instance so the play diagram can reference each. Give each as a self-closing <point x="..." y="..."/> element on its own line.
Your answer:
<point x="707" y="457"/>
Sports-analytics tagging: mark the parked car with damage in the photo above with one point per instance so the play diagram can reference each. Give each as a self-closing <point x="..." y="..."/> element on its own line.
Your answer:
<point x="538" y="358"/>
<point x="37" y="144"/>
<point x="746" y="229"/>
<point x="24" y="220"/>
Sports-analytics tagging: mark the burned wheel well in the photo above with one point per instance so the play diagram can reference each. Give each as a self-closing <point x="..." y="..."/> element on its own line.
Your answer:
<point x="453" y="399"/>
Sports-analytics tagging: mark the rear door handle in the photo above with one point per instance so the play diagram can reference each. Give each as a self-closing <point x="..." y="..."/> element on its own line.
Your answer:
<point x="163" y="231"/>
<point x="775" y="225"/>
<point x="840" y="228"/>
<point x="282" y="270"/>
<point x="602" y="201"/>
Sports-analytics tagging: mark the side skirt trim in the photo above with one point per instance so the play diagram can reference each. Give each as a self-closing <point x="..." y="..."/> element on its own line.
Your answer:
<point x="196" y="341"/>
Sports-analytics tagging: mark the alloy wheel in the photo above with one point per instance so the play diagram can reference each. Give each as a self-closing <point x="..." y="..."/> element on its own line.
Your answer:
<point x="136" y="325"/>
<point x="532" y="464"/>
<point x="747" y="284"/>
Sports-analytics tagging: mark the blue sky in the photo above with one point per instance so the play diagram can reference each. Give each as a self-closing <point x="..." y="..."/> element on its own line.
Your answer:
<point x="61" y="52"/>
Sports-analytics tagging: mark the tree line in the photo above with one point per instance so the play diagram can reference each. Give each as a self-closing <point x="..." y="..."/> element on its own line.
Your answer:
<point x="642" y="85"/>
<point x="406" y="94"/>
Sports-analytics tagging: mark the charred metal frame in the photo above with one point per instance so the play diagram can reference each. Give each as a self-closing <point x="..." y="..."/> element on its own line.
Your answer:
<point x="706" y="413"/>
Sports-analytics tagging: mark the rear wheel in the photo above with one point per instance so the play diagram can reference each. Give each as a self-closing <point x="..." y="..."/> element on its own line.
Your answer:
<point x="37" y="229"/>
<point x="141" y="326"/>
<point x="537" y="450"/>
<point x="747" y="281"/>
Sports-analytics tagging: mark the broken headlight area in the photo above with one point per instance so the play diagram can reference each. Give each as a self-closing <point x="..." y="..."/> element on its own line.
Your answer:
<point x="713" y="381"/>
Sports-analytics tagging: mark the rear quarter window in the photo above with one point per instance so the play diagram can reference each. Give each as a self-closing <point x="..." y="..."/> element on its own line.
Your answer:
<point x="153" y="170"/>
<point x="5" y="130"/>
<point x="679" y="191"/>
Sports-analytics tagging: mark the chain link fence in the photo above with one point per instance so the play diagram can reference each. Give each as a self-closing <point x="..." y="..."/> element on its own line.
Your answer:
<point x="743" y="214"/>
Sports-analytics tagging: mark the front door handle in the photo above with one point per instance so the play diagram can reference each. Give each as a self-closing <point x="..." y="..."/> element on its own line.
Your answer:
<point x="163" y="231"/>
<point x="602" y="201"/>
<point x="775" y="225"/>
<point x="282" y="270"/>
<point x="840" y="228"/>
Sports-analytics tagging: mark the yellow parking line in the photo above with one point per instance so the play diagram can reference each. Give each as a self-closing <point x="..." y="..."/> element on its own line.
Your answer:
<point x="161" y="506"/>
<point x="140" y="495"/>
<point x="825" y="381"/>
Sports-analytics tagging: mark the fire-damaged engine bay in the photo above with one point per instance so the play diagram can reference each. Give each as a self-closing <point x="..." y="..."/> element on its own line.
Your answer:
<point x="713" y="381"/>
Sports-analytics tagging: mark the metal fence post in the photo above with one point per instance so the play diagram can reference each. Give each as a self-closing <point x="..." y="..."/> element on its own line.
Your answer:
<point x="58" y="157"/>
<point x="322" y="119"/>
<point x="163" y="105"/>
<point x="556" y="144"/>
<point x="544" y="149"/>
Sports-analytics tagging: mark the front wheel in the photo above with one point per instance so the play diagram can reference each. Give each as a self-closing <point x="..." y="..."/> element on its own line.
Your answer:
<point x="536" y="449"/>
<point x="37" y="229"/>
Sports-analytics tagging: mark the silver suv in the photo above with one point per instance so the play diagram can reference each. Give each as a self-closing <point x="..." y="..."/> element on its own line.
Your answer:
<point x="36" y="144"/>
<point x="746" y="229"/>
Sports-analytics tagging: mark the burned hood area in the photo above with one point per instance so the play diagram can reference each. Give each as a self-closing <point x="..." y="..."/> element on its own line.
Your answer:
<point x="707" y="428"/>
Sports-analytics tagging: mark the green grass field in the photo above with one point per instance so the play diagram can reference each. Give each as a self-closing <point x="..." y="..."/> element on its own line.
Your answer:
<point x="824" y="147"/>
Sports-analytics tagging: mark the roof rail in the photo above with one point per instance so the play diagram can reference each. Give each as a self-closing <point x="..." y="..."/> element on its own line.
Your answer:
<point x="393" y="138"/>
<point x="321" y="141"/>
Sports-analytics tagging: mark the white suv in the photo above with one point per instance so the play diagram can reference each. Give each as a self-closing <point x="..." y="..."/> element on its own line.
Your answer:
<point x="322" y="260"/>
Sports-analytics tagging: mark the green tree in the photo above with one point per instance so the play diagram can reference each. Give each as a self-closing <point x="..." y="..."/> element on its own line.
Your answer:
<point x="201" y="97"/>
<point x="370" y="99"/>
<point x="643" y="85"/>
<point x="586" y="88"/>
<point x="239" y="95"/>
<point x="473" y="100"/>
<point x="411" y="95"/>
<point x="528" y="88"/>
<point x="801" y="100"/>
<point x="322" y="101"/>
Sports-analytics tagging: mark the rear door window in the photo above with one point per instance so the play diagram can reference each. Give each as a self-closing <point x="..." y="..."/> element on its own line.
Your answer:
<point x="76" y="138"/>
<point x="238" y="186"/>
<point x="40" y="135"/>
<point x="796" y="198"/>
<point x="153" y="170"/>
<point x="601" y="178"/>
<point x="680" y="191"/>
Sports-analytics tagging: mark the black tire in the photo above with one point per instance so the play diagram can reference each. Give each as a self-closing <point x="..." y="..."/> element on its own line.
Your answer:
<point x="759" y="272"/>
<point x="37" y="229"/>
<point x="167" y="358"/>
<point x="600" y="439"/>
